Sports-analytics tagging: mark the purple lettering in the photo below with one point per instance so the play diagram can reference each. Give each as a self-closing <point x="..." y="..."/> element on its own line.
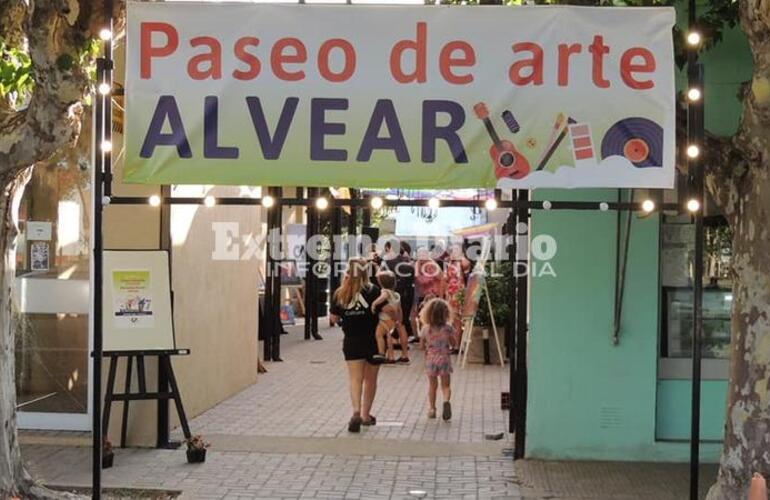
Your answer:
<point x="272" y="147"/>
<point x="384" y="112"/>
<point x="211" y="147"/>
<point x="431" y="131"/>
<point x="166" y="109"/>
<point x="320" y="128"/>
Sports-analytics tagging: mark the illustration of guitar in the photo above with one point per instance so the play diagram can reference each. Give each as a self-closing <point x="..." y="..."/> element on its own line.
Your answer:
<point x="509" y="162"/>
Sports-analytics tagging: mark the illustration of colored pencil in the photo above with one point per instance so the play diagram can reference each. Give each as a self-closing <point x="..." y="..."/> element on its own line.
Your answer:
<point x="555" y="145"/>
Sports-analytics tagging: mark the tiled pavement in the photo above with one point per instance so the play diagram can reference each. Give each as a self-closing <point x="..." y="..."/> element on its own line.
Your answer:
<point x="307" y="396"/>
<point x="286" y="437"/>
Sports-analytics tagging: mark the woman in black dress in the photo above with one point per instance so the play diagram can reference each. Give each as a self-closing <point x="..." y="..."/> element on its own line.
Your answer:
<point x="351" y="308"/>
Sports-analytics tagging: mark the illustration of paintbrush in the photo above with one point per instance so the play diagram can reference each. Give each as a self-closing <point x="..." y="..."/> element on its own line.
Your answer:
<point x="555" y="145"/>
<point x="554" y="132"/>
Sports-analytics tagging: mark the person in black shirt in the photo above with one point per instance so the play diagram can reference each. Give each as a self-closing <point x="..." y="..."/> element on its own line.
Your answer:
<point x="351" y="308"/>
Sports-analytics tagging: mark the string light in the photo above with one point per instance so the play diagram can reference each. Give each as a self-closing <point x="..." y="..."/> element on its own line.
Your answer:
<point x="106" y="146"/>
<point x="604" y="206"/>
<point x="104" y="88"/>
<point x="648" y="206"/>
<point x="154" y="200"/>
<point x="105" y="34"/>
<point x="693" y="38"/>
<point x="693" y="151"/>
<point x="491" y="204"/>
<point x="209" y="201"/>
<point x="694" y="94"/>
<point x="376" y="203"/>
<point x="693" y="205"/>
<point x="434" y="203"/>
<point x="268" y="201"/>
<point x="546" y="205"/>
<point x="321" y="203"/>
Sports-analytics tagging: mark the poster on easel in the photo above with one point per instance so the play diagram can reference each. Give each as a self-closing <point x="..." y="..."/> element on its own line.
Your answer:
<point x="137" y="301"/>
<point x="132" y="306"/>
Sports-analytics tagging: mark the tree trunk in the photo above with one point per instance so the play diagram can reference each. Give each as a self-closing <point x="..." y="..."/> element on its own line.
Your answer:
<point x="742" y="188"/>
<point x="747" y="430"/>
<point x="13" y="478"/>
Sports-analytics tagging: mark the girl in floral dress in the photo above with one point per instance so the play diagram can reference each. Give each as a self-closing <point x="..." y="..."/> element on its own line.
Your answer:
<point x="438" y="339"/>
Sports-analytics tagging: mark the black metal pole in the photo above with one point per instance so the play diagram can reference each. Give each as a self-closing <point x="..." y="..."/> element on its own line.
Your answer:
<point x="522" y="257"/>
<point x="307" y="297"/>
<point x="510" y="327"/>
<point x="96" y="355"/>
<point x="275" y="311"/>
<point x="336" y="231"/>
<point x="163" y="427"/>
<point x="696" y="133"/>
<point x="267" y="317"/>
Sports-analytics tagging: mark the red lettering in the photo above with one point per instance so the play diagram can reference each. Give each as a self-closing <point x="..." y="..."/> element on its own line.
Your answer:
<point x="447" y="62"/>
<point x="419" y="46"/>
<point x="599" y="50"/>
<point x="213" y="58"/>
<point x="323" y="60"/>
<point x="254" y="66"/>
<point x="628" y="67"/>
<point x="535" y="76"/>
<point x="147" y="51"/>
<point x="565" y="51"/>
<point x="278" y="59"/>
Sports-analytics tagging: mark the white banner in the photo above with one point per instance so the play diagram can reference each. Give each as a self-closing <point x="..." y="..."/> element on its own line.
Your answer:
<point x="400" y="96"/>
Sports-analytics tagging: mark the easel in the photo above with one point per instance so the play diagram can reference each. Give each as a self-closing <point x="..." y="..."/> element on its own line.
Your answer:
<point x="167" y="389"/>
<point x="468" y="324"/>
<point x="137" y="292"/>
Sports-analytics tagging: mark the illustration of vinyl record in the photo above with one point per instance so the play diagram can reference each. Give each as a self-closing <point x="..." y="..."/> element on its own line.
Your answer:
<point x="638" y="139"/>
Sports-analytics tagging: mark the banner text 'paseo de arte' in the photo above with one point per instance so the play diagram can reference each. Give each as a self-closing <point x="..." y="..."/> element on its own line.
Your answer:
<point x="399" y="96"/>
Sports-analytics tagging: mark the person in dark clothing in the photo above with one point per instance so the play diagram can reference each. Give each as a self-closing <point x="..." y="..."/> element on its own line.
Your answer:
<point x="351" y="309"/>
<point x="403" y="267"/>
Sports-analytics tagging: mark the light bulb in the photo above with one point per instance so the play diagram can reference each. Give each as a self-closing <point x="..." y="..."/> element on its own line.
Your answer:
<point x="693" y="38"/>
<point x="321" y="203"/>
<point x="694" y="94"/>
<point x="105" y="34"/>
<point x="693" y="205"/>
<point x="648" y="206"/>
<point x="491" y="204"/>
<point x="546" y="205"/>
<point x="604" y="206"/>
<point x="434" y="203"/>
<point x="693" y="151"/>
<point x="154" y="200"/>
<point x="209" y="201"/>
<point x="376" y="203"/>
<point x="106" y="146"/>
<point x="104" y="88"/>
<point x="268" y="201"/>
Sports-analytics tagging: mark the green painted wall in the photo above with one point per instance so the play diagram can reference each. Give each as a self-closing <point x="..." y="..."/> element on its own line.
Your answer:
<point x="588" y="398"/>
<point x="673" y="415"/>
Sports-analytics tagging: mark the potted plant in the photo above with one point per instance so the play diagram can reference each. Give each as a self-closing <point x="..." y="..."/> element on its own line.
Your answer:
<point x="499" y="281"/>
<point x="196" y="449"/>
<point x="107" y="454"/>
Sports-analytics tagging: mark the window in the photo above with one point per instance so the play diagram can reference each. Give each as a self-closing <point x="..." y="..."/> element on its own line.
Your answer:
<point x="676" y="261"/>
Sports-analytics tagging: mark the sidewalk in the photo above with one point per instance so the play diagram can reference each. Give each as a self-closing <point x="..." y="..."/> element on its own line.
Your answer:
<point x="286" y="437"/>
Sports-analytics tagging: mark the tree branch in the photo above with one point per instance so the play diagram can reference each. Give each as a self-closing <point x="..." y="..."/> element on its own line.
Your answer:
<point x="59" y="34"/>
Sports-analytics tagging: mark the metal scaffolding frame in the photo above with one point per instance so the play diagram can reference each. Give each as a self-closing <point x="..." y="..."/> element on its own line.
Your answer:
<point x="520" y="207"/>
